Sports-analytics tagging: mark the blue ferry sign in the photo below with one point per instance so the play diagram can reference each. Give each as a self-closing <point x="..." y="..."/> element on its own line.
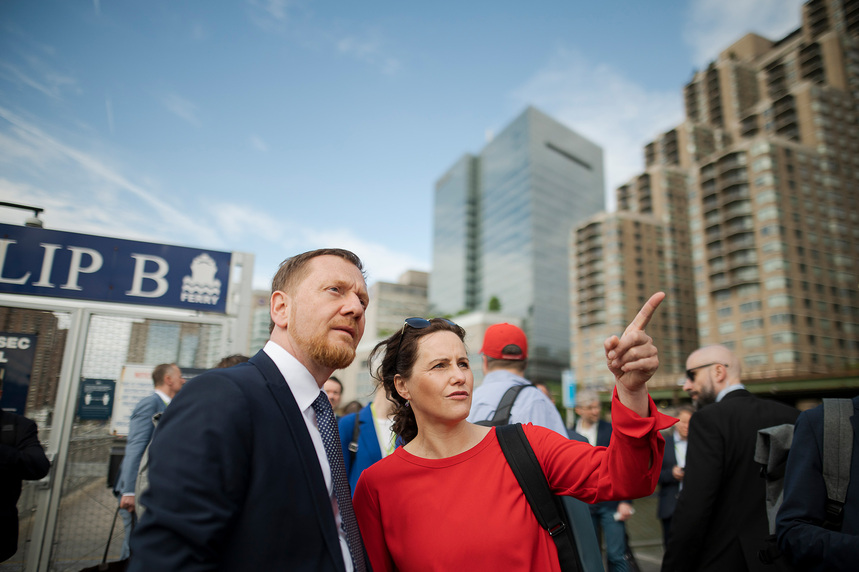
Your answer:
<point x="42" y="262"/>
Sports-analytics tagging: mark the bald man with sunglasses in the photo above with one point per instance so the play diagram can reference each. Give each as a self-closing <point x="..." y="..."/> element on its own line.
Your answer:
<point x="720" y="521"/>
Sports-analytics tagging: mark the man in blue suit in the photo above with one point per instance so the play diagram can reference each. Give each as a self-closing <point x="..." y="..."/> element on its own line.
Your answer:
<point x="673" y="469"/>
<point x="375" y="437"/>
<point x="168" y="380"/>
<point x="239" y="477"/>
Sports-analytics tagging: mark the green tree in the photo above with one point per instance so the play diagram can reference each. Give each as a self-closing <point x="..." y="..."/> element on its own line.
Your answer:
<point x="494" y="304"/>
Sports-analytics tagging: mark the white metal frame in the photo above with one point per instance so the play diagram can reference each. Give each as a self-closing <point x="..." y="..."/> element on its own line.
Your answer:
<point x="235" y="331"/>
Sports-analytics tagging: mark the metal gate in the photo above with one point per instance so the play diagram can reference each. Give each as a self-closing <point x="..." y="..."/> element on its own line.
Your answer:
<point x="65" y="519"/>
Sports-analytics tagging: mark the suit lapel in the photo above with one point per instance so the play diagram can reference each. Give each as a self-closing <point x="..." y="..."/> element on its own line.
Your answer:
<point x="297" y="431"/>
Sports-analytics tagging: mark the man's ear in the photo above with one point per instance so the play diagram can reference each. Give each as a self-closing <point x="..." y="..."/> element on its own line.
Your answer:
<point x="279" y="308"/>
<point x="400" y="386"/>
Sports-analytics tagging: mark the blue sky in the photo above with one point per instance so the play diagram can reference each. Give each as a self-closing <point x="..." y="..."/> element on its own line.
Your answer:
<point x="278" y="126"/>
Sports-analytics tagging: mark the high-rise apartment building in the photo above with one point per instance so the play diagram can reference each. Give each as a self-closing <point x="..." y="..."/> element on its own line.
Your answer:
<point x="501" y="227"/>
<point x="769" y="156"/>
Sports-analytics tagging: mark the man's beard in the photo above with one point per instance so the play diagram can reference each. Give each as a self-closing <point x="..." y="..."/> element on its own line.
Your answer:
<point x="705" y="397"/>
<point x="325" y="353"/>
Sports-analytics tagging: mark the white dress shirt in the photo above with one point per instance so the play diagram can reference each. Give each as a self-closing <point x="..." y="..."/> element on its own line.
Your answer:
<point x="305" y="390"/>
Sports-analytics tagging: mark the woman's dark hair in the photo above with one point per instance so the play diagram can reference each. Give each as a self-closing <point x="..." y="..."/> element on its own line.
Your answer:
<point x="400" y="355"/>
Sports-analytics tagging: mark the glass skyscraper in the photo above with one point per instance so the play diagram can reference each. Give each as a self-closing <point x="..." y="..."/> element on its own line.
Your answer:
<point x="502" y="226"/>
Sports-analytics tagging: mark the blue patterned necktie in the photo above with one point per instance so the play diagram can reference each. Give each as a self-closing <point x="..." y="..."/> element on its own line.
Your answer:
<point x="331" y="440"/>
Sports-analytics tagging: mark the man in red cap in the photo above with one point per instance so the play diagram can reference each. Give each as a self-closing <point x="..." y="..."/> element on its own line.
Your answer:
<point x="505" y="355"/>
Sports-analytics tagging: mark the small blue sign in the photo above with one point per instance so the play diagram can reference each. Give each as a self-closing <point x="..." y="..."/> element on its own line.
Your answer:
<point x="43" y="262"/>
<point x="568" y="388"/>
<point x="96" y="398"/>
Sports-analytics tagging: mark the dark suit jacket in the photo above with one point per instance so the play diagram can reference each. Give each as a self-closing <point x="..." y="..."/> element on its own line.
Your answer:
<point x="234" y="480"/>
<point x="603" y="440"/>
<point x="669" y="487"/>
<point x="368" y="451"/>
<point x="802" y="513"/>
<point x="22" y="458"/>
<point x="720" y="521"/>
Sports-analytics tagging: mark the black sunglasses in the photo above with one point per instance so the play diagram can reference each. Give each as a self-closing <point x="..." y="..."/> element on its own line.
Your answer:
<point x="418" y="324"/>
<point x="690" y="373"/>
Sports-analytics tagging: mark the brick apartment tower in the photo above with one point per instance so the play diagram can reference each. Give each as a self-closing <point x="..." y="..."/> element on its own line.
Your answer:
<point x="752" y="208"/>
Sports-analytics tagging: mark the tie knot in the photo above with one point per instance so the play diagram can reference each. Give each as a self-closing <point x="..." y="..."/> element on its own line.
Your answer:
<point x="321" y="405"/>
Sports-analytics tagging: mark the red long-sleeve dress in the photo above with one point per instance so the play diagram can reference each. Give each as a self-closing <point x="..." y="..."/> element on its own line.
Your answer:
<point x="468" y="512"/>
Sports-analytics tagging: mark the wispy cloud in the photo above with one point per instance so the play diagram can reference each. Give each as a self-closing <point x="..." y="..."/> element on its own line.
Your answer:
<point x="111" y="197"/>
<point x="182" y="108"/>
<point x="258" y="143"/>
<point x="369" y="50"/>
<point x="380" y="261"/>
<point x="600" y="103"/>
<point x="270" y="15"/>
<point x="713" y="25"/>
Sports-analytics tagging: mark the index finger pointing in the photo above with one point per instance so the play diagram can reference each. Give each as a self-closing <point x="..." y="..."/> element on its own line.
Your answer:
<point x="643" y="317"/>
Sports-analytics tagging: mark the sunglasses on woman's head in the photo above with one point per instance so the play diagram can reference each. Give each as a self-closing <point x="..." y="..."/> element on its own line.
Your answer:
<point x="418" y="324"/>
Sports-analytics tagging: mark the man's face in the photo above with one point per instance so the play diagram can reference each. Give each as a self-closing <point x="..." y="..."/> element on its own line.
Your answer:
<point x="325" y="314"/>
<point x="334" y="392"/>
<point x="589" y="413"/>
<point x="699" y="385"/>
<point x="683" y="425"/>
<point x="173" y="381"/>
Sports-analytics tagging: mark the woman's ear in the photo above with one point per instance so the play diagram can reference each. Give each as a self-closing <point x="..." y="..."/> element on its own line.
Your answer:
<point x="400" y="386"/>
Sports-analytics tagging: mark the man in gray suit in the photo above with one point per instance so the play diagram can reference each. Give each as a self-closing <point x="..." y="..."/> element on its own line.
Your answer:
<point x="168" y="380"/>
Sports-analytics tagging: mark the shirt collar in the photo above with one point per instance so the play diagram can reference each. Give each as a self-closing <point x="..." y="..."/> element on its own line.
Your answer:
<point x="728" y="390"/>
<point x="301" y="383"/>
<point x="164" y="397"/>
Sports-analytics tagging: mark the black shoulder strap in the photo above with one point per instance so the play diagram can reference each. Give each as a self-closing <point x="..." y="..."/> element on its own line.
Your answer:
<point x="353" y="444"/>
<point x="502" y="414"/>
<point x="546" y="506"/>
<point x="837" y="454"/>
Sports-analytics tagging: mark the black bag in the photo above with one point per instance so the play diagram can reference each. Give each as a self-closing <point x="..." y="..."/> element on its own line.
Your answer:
<point x="117" y="565"/>
<point x="577" y="546"/>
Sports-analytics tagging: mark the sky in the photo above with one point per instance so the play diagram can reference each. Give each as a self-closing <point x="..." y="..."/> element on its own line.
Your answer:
<point x="278" y="126"/>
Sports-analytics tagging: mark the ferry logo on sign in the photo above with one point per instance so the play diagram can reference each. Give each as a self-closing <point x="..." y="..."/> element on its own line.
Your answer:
<point x="202" y="286"/>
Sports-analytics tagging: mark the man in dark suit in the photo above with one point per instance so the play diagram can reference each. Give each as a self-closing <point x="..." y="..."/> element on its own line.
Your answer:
<point x="21" y="458"/>
<point x="720" y="521"/>
<point x="167" y="379"/>
<point x="671" y="475"/>
<point x="240" y="476"/>
<point x="608" y="516"/>
<point x="803" y="532"/>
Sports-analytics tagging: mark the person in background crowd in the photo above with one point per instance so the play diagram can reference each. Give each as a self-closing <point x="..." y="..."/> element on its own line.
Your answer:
<point x="720" y="521"/>
<point x="21" y="459"/>
<point x="611" y="515"/>
<point x="367" y="436"/>
<point x="801" y="525"/>
<point x="352" y="407"/>
<point x="504" y="358"/>
<point x="168" y="380"/>
<point x="417" y="507"/>
<point x="231" y="360"/>
<point x="334" y="390"/>
<point x="545" y="389"/>
<point x="246" y="470"/>
<point x="671" y="476"/>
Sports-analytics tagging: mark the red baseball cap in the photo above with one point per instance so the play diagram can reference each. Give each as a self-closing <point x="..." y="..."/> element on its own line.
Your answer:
<point x="499" y="336"/>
